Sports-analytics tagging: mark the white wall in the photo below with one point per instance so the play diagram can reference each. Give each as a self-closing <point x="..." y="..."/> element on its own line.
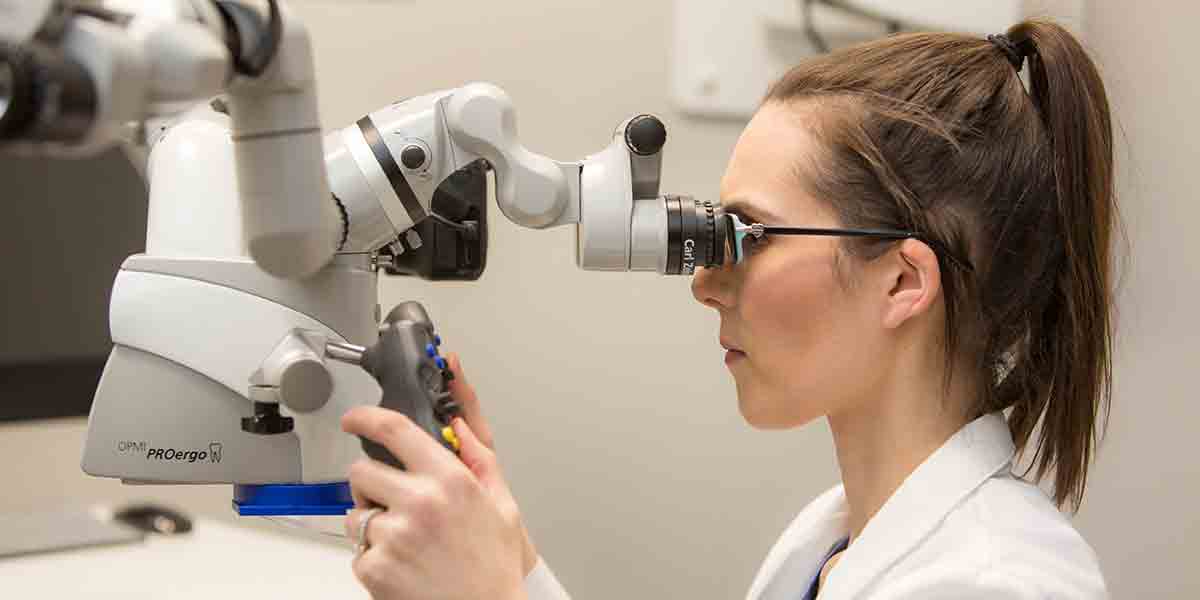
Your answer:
<point x="1143" y="506"/>
<point x="614" y="415"/>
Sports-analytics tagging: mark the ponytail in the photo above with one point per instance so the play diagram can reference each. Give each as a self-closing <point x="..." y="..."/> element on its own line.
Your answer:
<point x="1064" y="376"/>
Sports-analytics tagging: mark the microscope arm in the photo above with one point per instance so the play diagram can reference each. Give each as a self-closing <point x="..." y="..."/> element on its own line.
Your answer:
<point x="532" y="190"/>
<point x="74" y="76"/>
<point x="385" y="168"/>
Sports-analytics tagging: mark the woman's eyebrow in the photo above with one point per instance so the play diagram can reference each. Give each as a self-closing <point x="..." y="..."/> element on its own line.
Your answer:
<point x="742" y="208"/>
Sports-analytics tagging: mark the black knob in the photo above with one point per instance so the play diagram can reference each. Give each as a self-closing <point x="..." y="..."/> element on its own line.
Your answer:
<point x="413" y="157"/>
<point x="645" y="135"/>
<point x="267" y="420"/>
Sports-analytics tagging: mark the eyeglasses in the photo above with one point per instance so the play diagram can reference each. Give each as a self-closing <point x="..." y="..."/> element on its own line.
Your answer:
<point x="740" y="238"/>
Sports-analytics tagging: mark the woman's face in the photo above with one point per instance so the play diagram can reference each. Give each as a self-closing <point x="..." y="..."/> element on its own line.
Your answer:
<point x="801" y="343"/>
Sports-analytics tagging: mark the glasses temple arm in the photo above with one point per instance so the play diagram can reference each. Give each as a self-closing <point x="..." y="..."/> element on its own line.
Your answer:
<point x="889" y="234"/>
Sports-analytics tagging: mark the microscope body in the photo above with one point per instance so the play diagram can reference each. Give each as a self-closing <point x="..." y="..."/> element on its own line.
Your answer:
<point x="265" y="239"/>
<point x="194" y="317"/>
<point x="197" y="388"/>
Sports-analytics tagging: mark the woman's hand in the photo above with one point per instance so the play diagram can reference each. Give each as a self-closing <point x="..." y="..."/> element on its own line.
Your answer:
<point x="451" y="528"/>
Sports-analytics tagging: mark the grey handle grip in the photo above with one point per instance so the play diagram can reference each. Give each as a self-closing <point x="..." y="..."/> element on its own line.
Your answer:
<point x="414" y="378"/>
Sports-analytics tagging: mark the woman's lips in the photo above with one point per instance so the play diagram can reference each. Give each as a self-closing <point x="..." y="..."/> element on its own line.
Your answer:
<point x="733" y="353"/>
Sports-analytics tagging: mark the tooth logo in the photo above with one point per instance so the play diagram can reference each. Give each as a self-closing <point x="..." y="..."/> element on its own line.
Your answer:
<point x="214" y="452"/>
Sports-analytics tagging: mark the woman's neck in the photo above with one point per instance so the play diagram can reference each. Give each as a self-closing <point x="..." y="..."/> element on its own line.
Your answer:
<point x="881" y="441"/>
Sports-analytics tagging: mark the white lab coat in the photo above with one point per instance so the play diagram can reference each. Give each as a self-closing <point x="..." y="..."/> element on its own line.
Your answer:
<point x="960" y="526"/>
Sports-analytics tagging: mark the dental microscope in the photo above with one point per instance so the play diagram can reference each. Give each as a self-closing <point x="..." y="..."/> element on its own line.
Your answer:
<point x="251" y="324"/>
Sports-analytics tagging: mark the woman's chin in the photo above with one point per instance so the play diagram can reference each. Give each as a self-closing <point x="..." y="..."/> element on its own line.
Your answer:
<point x="755" y="414"/>
<point x="760" y="413"/>
<point x="759" y="408"/>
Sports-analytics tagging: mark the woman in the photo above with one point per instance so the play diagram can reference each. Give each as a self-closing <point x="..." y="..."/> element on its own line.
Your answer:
<point x="980" y="285"/>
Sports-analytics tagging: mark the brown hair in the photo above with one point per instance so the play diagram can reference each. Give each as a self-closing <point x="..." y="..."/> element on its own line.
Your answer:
<point x="935" y="132"/>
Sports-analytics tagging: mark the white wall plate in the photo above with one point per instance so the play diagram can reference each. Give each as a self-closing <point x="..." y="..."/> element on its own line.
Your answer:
<point x="725" y="53"/>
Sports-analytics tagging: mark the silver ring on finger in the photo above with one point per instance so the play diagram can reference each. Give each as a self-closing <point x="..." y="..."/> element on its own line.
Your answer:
<point x="363" y="545"/>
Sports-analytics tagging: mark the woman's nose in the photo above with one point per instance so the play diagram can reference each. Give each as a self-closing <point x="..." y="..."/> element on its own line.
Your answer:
<point x="713" y="287"/>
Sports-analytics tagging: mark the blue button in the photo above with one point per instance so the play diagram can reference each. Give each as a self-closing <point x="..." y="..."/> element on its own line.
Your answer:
<point x="437" y="340"/>
<point x="430" y="350"/>
<point x="440" y="362"/>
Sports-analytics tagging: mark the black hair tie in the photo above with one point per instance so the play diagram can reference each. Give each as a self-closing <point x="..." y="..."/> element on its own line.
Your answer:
<point x="1016" y="53"/>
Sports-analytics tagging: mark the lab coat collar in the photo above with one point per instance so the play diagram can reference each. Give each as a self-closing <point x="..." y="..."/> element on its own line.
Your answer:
<point x="974" y="454"/>
<point x="793" y="562"/>
<point x="970" y="457"/>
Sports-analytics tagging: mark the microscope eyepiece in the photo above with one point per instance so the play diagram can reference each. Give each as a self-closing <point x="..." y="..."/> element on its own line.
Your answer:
<point x="695" y="235"/>
<point x="674" y="235"/>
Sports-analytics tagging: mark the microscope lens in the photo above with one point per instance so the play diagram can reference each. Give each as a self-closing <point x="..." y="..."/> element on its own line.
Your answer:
<point x="696" y="235"/>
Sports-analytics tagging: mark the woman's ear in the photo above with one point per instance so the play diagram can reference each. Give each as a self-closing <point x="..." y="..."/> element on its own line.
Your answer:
<point x="914" y="281"/>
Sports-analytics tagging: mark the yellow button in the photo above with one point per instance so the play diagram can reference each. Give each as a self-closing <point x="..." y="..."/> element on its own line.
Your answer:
<point x="450" y="437"/>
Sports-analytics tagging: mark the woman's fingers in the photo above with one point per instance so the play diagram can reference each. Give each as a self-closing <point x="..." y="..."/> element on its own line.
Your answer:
<point x="376" y="484"/>
<point x="480" y="459"/>
<point x="465" y="395"/>
<point x="352" y="522"/>
<point x="383" y="568"/>
<point x="376" y="572"/>
<point x="444" y="530"/>
<point x="448" y="529"/>
<point x="360" y="500"/>
<point x="413" y="505"/>
<point x="406" y="441"/>
<point x="386" y="530"/>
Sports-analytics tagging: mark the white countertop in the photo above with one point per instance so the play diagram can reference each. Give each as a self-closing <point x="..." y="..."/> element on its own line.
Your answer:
<point x="215" y="560"/>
